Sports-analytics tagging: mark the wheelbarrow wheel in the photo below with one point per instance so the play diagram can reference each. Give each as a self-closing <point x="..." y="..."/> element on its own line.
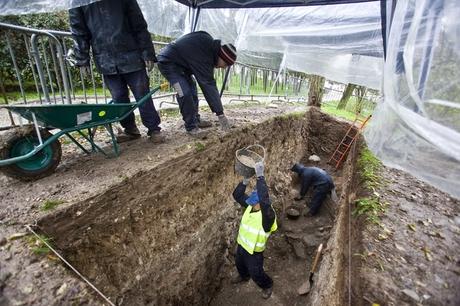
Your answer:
<point x="42" y="164"/>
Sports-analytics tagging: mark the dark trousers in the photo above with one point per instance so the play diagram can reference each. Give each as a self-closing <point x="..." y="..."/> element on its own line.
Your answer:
<point x="320" y="193"/>
<point x="138" y="82"/>
<point x="252" y="266"/>
<point x="187" y="94"/>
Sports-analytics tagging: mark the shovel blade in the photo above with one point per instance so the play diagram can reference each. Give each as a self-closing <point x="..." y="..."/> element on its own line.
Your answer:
<point x="304" y="289"/>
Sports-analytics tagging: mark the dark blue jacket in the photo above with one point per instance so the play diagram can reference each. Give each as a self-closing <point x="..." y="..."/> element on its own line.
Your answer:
<point x="117" y="33"/>
<point x="312" y="176"/>
<point x="197" y="54"/>
<point x="268" y="214"/>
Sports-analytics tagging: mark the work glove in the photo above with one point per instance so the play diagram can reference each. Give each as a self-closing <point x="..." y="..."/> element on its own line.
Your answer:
<point x="245" y="181"/>
<point x="85" y="71"/>
<point x="259" y="167"/>
<point x="224" y="124"/>
<point x="149" y="65"/>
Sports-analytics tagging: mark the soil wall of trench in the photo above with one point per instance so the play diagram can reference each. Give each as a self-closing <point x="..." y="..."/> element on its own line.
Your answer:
<point x="162" y="236"/>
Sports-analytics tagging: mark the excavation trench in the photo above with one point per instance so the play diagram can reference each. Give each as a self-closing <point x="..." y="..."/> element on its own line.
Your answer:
<point x="167" y="235"/>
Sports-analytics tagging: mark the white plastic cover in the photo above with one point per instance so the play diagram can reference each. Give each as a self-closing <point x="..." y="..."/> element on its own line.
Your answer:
<point x="340" y="42"/>
<point x="417" y="127"/>
<point x="21" y="7"/>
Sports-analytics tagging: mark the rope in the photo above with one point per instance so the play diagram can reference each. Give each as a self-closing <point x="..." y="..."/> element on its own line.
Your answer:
<point x="70" y="266"/>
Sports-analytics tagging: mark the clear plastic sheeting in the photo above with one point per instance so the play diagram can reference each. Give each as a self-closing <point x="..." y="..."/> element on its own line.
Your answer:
<point x="341" y="42"/>
<point x="21" y="7"/>
<point x="344" y="68"/>
<point x="417" y="128"/>
<point x="166" y="17"/>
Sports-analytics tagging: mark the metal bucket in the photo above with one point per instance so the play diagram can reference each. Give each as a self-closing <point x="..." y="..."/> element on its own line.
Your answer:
<point x="246" y="158"/>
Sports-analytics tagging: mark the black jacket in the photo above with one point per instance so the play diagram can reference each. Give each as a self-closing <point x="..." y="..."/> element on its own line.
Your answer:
<point x="117" y="33"/>
<point x="197" y="53"/>
<point x="312" y="176"/>
<point x="268" y="214"/>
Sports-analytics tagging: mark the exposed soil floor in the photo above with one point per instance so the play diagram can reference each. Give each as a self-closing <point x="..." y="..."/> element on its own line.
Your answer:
<point x="412" y="257"/>
<point x="157" y="225"/>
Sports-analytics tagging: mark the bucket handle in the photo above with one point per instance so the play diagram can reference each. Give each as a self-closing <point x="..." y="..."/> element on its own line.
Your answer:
<point x="258" y="146"/>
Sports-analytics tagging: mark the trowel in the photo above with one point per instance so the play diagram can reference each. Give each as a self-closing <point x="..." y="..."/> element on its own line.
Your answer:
<point x="305" y="287"/>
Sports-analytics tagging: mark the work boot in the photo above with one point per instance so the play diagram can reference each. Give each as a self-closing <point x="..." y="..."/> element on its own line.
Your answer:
<point x="267" y="292"/>
<point x="238" y="279"/>
<point x="128" y="134"/>
<point x="156" y="137"/>
<point x="202" y="124"/>
<point x="197" y="133"/>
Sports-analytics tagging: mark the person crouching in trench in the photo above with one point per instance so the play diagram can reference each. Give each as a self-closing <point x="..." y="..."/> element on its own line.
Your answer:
<point x="257" y="223"/>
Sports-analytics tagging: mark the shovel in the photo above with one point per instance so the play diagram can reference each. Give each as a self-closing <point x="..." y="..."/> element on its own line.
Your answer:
<point x="305" y="287"/>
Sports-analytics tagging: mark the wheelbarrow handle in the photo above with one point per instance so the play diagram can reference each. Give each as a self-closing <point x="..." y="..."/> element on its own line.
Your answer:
<point x="144" y="99"/>
<point x="163" y="86"/>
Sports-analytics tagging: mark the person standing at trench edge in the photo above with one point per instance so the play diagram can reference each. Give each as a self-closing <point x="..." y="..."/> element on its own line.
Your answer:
<point x="257" y="223"/>
<point x="322" y="186"/>
<point x="196" y="54"/>
<point x="122" y="49"/>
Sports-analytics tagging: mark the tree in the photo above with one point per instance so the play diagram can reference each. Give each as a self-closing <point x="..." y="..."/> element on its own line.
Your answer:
<point x="346" y="96"/>
<point x="361" y="93"/>
<point x="315" y="94"/>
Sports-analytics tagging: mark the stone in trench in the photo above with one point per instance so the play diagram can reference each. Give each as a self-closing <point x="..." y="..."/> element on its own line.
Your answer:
<point x="314" y="158"/>
<point x="27" y="289"/>
<point x="412" y="294"/>
<point x="4" y="275"/>
<point x="299" y="250"/>
<point x="61" y="289"/>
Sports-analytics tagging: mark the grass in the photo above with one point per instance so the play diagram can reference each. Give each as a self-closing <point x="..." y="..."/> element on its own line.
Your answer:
<point x="33" y="96"/>
<point x="370" y="206"/>
<point x="170" y="112"/>
<point x="369" y="167"/>
<point x="341" y="113"/>
<point x="37" y="246"/>
<point x="51" y="204"/>
<point x="199" y="146"/>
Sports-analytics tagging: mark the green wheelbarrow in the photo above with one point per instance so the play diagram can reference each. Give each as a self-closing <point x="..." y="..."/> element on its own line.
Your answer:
<point x="32" y="152"/>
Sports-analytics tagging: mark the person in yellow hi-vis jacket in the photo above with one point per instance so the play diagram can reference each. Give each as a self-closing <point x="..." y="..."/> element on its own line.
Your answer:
<point x="257" y="223"/>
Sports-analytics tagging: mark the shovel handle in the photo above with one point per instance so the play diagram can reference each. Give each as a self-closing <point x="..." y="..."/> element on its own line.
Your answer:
<point x="317" y="256"/>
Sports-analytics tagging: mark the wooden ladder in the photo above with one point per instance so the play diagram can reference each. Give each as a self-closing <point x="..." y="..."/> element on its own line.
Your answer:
<point x="347" y="141"/>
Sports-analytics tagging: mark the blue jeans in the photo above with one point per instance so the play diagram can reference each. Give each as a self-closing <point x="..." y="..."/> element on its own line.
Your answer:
<point x="187" y="94"/>
<point x="320" y="193"/>
<point x="138" y="82"/>
<point x="252" y="266"/>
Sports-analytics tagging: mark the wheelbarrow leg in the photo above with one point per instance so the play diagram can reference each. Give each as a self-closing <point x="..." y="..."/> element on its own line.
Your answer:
<point x="77" y="143"/>
<point x="116" y="148"/>
<point x="91" y="133"/>
<point x="93" y="144"/>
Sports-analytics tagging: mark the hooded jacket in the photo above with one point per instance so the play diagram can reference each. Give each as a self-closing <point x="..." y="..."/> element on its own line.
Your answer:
<point x="197" y="53"/>
<point x="117" y="33"/>
<point x="312" y="176"/>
